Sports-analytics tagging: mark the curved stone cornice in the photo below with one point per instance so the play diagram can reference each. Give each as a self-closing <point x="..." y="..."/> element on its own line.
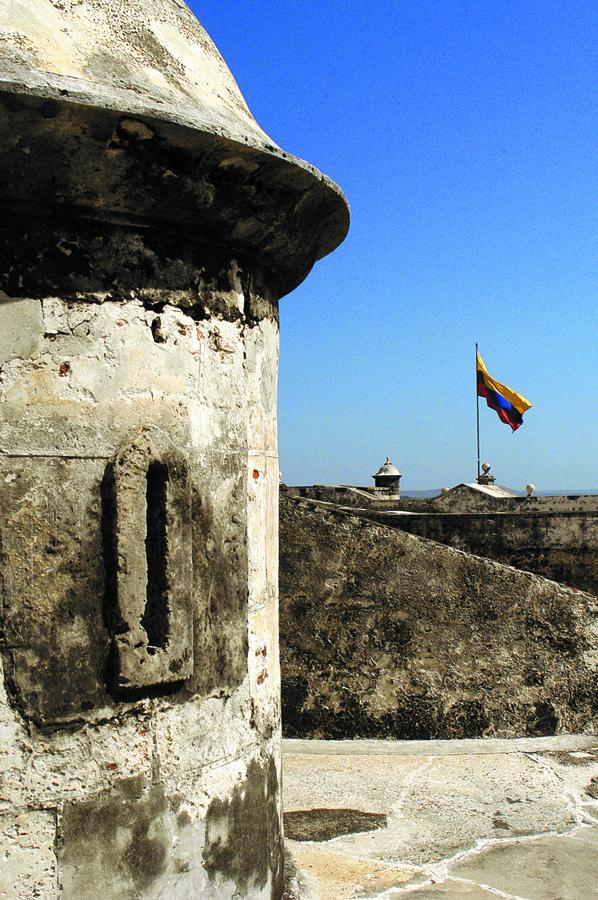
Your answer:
<point x="124" y="110"/>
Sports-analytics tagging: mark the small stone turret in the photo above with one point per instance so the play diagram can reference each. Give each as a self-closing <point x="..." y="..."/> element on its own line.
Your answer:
<point x="388" y="479"/>
<point x="148" y="229"/>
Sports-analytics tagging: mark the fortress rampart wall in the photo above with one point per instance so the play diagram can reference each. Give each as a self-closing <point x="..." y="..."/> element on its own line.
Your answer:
<point x="385" y="634"/>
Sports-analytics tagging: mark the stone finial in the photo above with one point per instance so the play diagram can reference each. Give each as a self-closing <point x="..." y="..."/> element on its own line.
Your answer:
<point x="529" y="489"/>
<point x="486" y="478"/>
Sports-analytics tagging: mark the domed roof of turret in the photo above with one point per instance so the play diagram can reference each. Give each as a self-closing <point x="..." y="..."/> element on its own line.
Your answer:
<point x="388" y="468"/>
<point x="151" y="61"/>
<point x="136" y="56"/>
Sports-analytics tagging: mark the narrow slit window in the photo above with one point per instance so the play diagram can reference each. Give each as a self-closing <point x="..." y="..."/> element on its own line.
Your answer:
<point x="155" y="616"/>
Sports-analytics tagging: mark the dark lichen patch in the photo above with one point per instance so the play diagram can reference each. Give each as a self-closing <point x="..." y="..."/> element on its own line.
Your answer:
<point x="89" y="856"/>
<point x="243" y="835"/>
<point x="325" y="824"/>
<point x="592" y="789"/>
<point x="544" y="720"/>
<point x="131" y="788"/>
<point x="145" y="856"/>
<point x="500" y="823"/>
<point x="52" y="639"/>
<point x="412" y="716"/>
<point x="219" y="537"/>
<point x="183" y="819"/>
<point x="574" y="758"/>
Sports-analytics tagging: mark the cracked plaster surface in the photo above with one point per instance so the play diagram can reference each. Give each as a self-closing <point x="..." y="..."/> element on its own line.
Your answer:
<point x="508" y="821"/>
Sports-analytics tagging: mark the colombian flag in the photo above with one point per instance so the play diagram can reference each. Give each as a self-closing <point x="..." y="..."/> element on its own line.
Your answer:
<point x="508" y="404"/>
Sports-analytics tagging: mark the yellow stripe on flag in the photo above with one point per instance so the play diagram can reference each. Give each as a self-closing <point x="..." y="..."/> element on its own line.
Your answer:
<point x="520" y="403"/>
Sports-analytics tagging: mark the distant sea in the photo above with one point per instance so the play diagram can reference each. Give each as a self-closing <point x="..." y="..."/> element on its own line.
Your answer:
<point x="564" y="493"/>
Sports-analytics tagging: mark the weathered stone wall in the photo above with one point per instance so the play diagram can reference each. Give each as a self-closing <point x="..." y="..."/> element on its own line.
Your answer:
<point x="166" y="734"/>
<point x="458" y="500"/>
<point x="384" y="634"/>
<point x="558" y="545"/>
<point x="556" y="537"/>
<point x="464" y="499"/>
<point x="359" y="497"/>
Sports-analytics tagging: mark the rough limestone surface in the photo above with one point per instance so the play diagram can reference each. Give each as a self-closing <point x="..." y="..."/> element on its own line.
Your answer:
<point x="148" y="228"/>
<point x="102" y="786"/>
<point x="384" y="634"/>
<point x="561" y="544"/>
<point x="472" y="818"/>
<point x="556" y="537"/>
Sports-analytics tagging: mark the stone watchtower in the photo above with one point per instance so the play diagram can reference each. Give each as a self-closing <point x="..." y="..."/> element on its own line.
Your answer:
<point x="149" y="228"/>
<point x="388" y="479"/>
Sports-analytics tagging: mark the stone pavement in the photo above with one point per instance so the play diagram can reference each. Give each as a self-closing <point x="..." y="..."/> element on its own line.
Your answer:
<point x="511" y="818"/>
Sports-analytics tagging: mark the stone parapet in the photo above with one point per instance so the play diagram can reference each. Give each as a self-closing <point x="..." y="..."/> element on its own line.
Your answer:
<point x="561" y="545"/>
<point x="387" y="635"/>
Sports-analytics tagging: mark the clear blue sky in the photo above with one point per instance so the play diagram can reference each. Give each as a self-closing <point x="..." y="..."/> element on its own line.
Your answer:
<point x="465" y="136"/>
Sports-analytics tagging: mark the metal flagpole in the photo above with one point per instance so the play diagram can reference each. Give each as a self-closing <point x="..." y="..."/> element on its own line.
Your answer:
<point x="477" y="406"/>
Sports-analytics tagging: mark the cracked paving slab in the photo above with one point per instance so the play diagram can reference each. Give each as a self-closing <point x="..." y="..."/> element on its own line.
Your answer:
<point x="514" y="819"/>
